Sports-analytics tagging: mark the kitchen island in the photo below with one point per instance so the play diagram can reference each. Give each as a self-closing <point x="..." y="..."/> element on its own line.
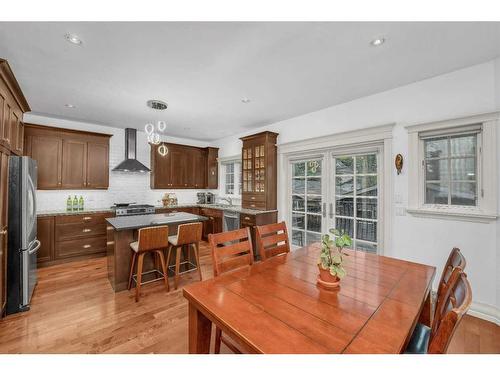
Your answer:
<point x="121" y="231"/>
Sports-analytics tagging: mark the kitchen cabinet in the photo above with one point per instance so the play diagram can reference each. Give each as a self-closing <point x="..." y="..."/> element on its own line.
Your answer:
<point x="184" y="167"/>
<point x="68" y="159"/>
<point x="259" y="171"/>
<point x="213" y="168"/>
<point x="250" y="221"/>
<point x="214" y="224"/>
<point x="45" y="234"/>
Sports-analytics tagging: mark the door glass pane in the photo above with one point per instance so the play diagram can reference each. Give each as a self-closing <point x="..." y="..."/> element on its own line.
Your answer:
<point x="314" y="186"/>
<point x="365" y="246"/>
<point x="436" y="193"/>
<point x="366" y="185"/>
<point x="366" y="230"/>
<point x="314" y="168"/>
<point x="314" y="204"/>
<point x="344" y="185"/>
<point x="297" y="238"/>
<point x="312" y="238"/>
<point x="346" y="225"/>
<point x="344" y="165"/>
<point x="344" y="206"/>
<point x="298" y="203"/>
<point x="463" y="193"/>
<point x="366" y="164"/>
<point x="298" y="186"/>
<point x="366" y="208"/>
<point x="314" y="223"/>
<point x="298" y="220"/>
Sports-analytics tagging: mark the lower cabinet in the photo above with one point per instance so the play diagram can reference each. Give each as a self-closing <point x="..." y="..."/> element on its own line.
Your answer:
<point x="69" y="237"/>
<point x="214" y="222"/>
<point x="252" y="220"/>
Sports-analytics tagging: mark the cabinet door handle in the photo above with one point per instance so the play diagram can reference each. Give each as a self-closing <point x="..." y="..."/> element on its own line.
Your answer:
<point x="3" y="232"/>
<point x="86" y="246"/>
<point x="252" y="198"/>
<point x="252" y="205"/>
<point x="87" y="218"/>
<point x="86" y="230"/>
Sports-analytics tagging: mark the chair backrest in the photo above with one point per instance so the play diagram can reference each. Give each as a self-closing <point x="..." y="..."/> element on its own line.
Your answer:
<point x="231" y="250"/>
<point x="450" y="310"/>
<point x="153" y="238"/>
<point x="272" y="240"/>
<point x="189" y="233"/>
<point x="455" y="259"/>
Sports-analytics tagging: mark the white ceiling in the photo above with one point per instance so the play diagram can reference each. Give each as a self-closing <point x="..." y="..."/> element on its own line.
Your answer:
<point x="204" y="69"/>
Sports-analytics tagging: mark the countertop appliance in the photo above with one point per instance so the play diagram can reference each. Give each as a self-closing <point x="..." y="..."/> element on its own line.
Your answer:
<point x="124" y="209"/>
<point x="23" y="242"/>
<point x="210" y="198"/>
<point x="231" y="221"/>
<point x="202" y="197"/>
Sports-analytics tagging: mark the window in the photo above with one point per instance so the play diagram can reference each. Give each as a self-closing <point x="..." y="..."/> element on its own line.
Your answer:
<point x="452" y="170"/>
<point x="231" y="178"/>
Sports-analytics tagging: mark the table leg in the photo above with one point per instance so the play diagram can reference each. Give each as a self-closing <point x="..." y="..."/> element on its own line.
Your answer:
<point x="426" y="314"/>
<point x="200" y="331"/>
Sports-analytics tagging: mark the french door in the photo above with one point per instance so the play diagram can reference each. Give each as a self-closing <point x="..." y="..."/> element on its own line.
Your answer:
<point x="336" y="190"/>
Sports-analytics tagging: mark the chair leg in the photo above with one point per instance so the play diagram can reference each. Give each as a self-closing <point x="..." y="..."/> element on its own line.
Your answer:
<point x="218" y="334"/>
<point x="169" y="252"/>
<point x="197" y="256"/>
<point x="177" y="265"/>
<point x="140" y="262"/>
<point x="134" y="256"/>
<point x="163" y="268"/>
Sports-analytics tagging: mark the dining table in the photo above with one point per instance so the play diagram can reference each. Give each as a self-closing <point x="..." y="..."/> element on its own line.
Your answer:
<point x="276" y="307"/>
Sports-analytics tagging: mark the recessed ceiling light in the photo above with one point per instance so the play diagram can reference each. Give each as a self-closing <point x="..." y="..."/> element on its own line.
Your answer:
<point x="245" y="100"/>
<point x="70" y="105"/>
<point x="377" y="42"/>
<point x="73" y="38"/>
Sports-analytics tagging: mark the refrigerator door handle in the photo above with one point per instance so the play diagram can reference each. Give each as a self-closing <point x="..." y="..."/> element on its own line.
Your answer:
<point x="35" y="249"/>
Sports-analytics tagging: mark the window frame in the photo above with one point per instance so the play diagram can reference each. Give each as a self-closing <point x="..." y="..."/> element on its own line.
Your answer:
<point x="486" y="161"/>
<point x="236" y="179"/>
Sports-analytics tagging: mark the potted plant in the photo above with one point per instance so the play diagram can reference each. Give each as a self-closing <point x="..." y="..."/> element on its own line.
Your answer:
<point x="331" y="259"/>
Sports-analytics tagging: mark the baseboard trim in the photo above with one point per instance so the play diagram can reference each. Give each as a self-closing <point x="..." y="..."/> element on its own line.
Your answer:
<point x="486" y="312"/>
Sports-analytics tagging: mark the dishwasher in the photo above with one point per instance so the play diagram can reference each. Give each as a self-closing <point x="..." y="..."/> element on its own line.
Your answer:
<point x="231" y="221"/>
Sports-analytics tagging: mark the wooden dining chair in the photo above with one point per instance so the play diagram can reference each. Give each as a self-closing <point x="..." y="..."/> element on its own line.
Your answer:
<point x="230" y="251"/>
<point x="451" y="308"/>
<point x="188" y="236"/>
<point x="455" y="259"/>
<point x="151" y="240"/>
<point x="272" y="240"/>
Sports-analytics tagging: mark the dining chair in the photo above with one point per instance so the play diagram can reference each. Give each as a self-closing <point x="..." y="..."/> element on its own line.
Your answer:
<point x="188" y="236"/>
<point x="230" y="251"/>
<point x="272" y="240"/>
<point x="455" y="259"/>
<point x="451" y="308"/>
<point x="151" y="240"/>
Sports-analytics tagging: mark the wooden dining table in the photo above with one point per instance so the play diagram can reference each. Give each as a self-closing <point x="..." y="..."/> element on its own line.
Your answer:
<point x="275" y="306"/>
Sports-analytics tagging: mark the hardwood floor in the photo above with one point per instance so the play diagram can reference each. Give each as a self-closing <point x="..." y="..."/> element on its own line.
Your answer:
<point x="74" y="310"/>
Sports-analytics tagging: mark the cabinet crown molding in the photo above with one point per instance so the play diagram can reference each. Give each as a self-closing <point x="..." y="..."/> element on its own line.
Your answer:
<point x="8" y="76"/>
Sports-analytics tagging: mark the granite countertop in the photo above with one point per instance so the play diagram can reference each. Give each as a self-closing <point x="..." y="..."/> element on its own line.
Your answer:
<point x="142" y="221"/>
<point x="64" y="212"/>
<point x="239" y="209"/>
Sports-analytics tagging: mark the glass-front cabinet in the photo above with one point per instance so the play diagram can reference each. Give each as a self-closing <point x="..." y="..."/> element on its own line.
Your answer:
<point x="259" y="158"/>
<point x="335" y="191"/>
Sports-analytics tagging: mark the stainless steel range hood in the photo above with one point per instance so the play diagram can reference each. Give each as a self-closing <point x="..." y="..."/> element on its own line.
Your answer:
<point x="131" y="164"/>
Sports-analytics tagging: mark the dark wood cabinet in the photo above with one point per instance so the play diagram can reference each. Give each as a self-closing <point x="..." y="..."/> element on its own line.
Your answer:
<point x="184" y="167"/>
<point x="45" y="234"/>
<point x="252" y="220"/>
<point x="97" y="165"/>
<point x="214" y="224"/>
<point x="68" y="159"/>
<point x="259" y="171"/>
<point x="74" y="166"/>
<point x="213" y="168"/>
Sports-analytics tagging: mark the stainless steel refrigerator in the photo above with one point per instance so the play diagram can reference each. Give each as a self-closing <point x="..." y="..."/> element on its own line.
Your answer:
<point x="23" y="244"/>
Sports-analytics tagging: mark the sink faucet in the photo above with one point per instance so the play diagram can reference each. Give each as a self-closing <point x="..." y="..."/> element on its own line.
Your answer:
<point x="228" y="200"/>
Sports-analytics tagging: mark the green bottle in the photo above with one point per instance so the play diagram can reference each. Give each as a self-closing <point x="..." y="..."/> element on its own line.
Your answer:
<point x="75" y="203"/>
<point x="80" y="203"/>
<point x="69" y="204"/>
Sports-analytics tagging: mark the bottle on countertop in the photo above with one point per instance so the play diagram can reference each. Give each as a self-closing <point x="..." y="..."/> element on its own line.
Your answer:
<point x="80" y="203"/>
<point x="69" y="203"/>
<point x="75" y="203"/>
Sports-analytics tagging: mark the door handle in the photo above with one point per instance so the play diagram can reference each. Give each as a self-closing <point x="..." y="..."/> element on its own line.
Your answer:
<point x="331" y="211"/>
<point x="324" y="209"/>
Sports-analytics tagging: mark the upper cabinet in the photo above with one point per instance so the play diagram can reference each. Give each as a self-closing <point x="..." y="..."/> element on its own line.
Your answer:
<point x="68" y="159"/>
<point x="12" y="106"/>
<point x="184" y="167"/>
<point x="259" y="171"/>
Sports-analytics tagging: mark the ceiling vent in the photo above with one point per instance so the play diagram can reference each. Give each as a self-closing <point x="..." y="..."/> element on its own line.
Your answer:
<point x="157" y="104"/>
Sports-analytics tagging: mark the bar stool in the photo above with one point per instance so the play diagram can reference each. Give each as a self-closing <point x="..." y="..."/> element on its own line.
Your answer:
<point x="188" y="235"/>
<point x="150" y="240"/>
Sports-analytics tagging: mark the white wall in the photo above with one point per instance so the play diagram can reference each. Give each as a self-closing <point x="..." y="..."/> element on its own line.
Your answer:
<point x="460" y="93"/>
<point x="123" y="187"/>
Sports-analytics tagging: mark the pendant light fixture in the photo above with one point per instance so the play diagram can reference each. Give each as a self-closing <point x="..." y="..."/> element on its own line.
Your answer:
<point x="155" y="130"/>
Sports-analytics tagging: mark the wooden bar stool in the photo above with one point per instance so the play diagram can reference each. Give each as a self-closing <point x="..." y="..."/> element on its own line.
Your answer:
<point x="189" y="236"/>
<point x="152" y="240"/>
